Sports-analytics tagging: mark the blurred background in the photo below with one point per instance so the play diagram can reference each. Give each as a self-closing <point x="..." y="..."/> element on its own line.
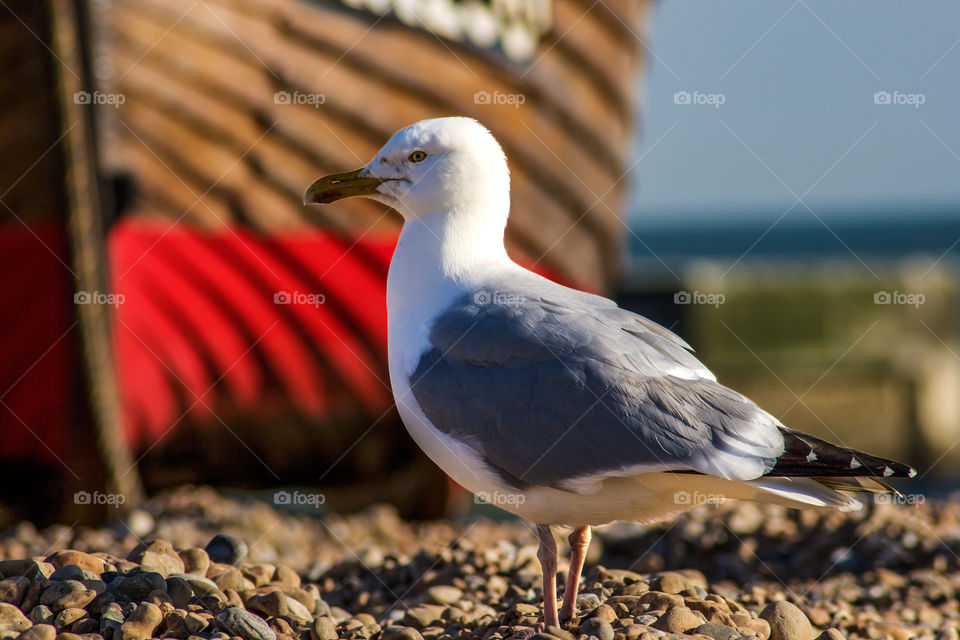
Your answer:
<point x="778" y="182"/>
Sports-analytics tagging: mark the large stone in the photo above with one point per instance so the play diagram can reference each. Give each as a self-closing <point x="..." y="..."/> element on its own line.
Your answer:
<point x="787" y="622"/>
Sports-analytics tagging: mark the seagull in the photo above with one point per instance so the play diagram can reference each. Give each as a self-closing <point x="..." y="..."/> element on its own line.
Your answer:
<point x="553" y="403"/>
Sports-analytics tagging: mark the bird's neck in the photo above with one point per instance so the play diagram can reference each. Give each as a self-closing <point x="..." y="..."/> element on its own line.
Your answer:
<point x="438" y="259"/>
<point x="453" y="246"/>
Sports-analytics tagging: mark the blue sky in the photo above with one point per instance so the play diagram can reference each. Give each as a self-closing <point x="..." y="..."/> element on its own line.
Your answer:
<point x="798" y="117"/>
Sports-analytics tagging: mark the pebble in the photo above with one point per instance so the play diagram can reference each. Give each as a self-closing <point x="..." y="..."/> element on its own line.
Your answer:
<point x="242" y="623"/>
<point x="597" y="628"/>
<point x="41" y="614"/>
<point x="67" y="617"/>
<point x="587" y="602"/>
<point x="325" y="628"/>
<point x="678" y="619"/>
<point x="158" y="556"/>
<point x="442" y="594"/>
<point x="670" y="583"/>
<point x="273" y="603"/>
<point x="557" y="632"/>
<point x="179" y="591"/>
<point x="226" y="549"/>
<point x="74" y="600"/>
<point x="39" y="632"/>
<point x="195" y="623"/>
<point x="286" y="576"/>
<point x="12" y="619"/>
<point x="13" y="589"/>
<point x="787" y="622"/>
<point x="195" y="561"/>
<point x="717" y="631"/>
<point x="138" y="586"/>
<point x="84" y="561"/>
<point x="141" y="623"/>
<point x="397" y="632"/>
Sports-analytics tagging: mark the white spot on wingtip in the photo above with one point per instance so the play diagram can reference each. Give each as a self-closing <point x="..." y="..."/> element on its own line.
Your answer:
<point x="852" y="505"/>
<point x="811" y="456"/>
<point x="912" y="473"/>
<point x="855" y="464"/>
<point x="887" y="472"/>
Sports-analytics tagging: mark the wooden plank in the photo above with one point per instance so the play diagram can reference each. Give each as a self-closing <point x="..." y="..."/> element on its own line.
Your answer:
<point x="588" y="181"/>
<point x="566" y="175"/>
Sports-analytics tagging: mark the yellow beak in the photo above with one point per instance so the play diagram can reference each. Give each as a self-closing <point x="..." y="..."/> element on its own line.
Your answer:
<point x="340" y="185"/>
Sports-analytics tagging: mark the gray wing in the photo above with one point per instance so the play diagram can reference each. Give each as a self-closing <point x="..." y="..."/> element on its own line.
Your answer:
<point x="560" y="388"/>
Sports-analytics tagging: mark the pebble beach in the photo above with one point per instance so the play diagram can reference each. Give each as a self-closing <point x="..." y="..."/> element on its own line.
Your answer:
<point x="194" y="564"/>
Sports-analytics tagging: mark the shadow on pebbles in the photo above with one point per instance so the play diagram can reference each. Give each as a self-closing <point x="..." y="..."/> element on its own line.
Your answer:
<point x="193" y="564"/>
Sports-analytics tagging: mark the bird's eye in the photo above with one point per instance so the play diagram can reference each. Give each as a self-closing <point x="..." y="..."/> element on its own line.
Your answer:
<point x="418" y="156"/>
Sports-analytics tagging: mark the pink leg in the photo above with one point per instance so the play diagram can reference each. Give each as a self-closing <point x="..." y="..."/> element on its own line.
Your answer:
<point x="547" y="554"/>
<point x="579" y="543"/>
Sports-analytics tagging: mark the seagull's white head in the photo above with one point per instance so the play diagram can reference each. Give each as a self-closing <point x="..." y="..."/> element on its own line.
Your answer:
<point x="446" y="166"/>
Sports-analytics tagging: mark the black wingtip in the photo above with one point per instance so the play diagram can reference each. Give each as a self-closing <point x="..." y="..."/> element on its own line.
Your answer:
<point x="805" y="455"/>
